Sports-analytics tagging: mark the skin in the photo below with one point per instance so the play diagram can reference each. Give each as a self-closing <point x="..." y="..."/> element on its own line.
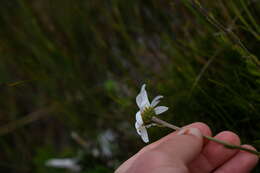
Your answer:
<point x="189" y="153"/>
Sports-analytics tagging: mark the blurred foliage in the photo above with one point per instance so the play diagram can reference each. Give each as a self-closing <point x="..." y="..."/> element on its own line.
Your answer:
<point x="81" y="63"/>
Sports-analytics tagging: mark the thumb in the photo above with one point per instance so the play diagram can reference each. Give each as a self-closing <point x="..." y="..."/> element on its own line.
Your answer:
<point x="183" y="146"/>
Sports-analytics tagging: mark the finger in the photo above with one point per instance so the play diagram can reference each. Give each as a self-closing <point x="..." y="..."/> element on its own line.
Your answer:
<point x="242" y="162"/>
<point x="216" y="153"/>
<point x="203" y="128"/>
<point x="213" y="154"/>
<point x="184" y="146"/>
<point x="126" y="165"/>
<point x="173" y="153"/>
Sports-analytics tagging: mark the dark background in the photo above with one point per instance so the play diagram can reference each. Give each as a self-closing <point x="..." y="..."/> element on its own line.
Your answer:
<point x="76" y="66"/>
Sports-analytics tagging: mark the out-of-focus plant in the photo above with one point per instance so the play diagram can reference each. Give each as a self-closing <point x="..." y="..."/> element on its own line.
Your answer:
<point x="84" y="60"/>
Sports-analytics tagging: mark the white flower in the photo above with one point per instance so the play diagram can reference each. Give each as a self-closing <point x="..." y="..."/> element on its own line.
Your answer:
<point x="67" y="163"/>
<point x="144" y="105"/>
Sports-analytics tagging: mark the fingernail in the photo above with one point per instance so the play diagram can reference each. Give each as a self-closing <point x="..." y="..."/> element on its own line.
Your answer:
<point x="190" y="131"/>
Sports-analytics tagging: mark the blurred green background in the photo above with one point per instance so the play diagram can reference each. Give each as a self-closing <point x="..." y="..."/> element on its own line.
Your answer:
<point x="76" y="67"/>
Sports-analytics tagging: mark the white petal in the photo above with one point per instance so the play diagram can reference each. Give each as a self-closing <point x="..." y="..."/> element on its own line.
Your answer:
<point x="160" y="109"/>
<point x="144" y="134"/>
<point x="139" y="118"/>
<point x="142" y="98"/>
<point x="156" y="100"/>
<point x="138" y="126"/>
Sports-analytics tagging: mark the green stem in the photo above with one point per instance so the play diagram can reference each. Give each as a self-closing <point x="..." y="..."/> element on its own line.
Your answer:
<point x="225" y="144"/>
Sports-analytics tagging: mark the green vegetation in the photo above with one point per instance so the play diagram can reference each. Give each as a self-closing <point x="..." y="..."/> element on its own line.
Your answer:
<point x="69" y="65"/>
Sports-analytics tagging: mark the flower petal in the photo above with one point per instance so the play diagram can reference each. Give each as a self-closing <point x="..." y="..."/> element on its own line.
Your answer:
<point x="144" y="134"/>
<point x="142" y="98"/>
<point x="138" y="126"/>
<point x="160" y="109"/>
<point x="139" y="118"/>
<point x="156" y="100"/>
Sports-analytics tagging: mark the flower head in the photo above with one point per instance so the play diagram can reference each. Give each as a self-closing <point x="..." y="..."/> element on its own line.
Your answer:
<point x="146" y="112"/>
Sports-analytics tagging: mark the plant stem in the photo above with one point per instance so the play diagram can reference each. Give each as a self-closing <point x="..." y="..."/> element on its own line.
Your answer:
<point x="164" y="123"/>
<point x="225" y="144"/>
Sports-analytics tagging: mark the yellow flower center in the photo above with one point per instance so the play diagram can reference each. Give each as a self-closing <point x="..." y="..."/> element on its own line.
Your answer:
<point x="147" y="115"/>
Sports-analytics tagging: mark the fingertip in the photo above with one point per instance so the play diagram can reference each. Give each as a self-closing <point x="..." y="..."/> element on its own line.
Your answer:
<point x="190" y="131"/>
<point x="229" y="136"/>
<point x="216" y="153"/>
<point x="204" y="128"/>
<point x="249" y="147"/>
<point x="252" y="158"/>
<point x="242" y="162"/>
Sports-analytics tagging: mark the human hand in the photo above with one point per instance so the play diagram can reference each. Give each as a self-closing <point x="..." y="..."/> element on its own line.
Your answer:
<point x="187" y="152"/>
